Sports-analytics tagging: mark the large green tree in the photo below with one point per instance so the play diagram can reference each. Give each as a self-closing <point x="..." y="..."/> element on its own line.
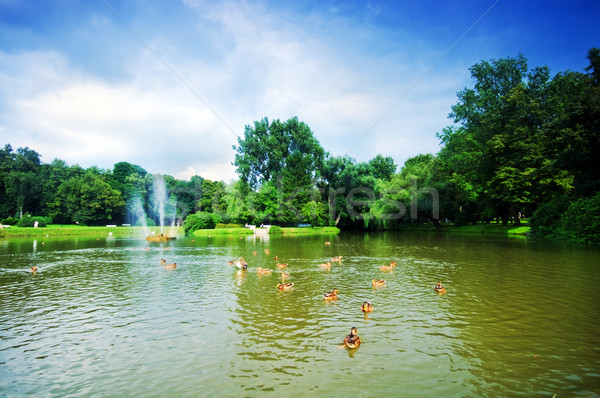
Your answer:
<point x="270" y="147"/>
<point x="88" y="199"/>
<point x="497" y="154"/>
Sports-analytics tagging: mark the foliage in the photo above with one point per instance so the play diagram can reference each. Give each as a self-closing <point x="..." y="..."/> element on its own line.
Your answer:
<point x="29" y="221"/>
<point x="269" y="148"/>
<point x="200" y="220"/>
<point x="87" y="199"/>
<point x="275" y="230"/>
<point x="546" y="220"/>
<point x="581" y="221"/>
<point x="9" y="221"/>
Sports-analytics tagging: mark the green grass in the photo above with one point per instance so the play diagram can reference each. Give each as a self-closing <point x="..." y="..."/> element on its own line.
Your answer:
<point x="74" y="230"/>
<point x="223" y="231"/>
<point x="310" y="230"/>
<point x="481" y="229"/>
<point x="123" y="232"/>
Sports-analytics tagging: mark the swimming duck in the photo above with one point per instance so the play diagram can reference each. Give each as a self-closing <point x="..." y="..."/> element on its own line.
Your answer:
<point x="173" y="266"/>
<point x="352" y="340"/>
<point x="366" y="307"/>
<point x="284" y="275"/>
<point x="241" y="263"/>
<point x="379" y="282"/>
<point x="281" y="266"/>
<point x="285" y="286"/>
<point x="332" y="295"/>
<point x="388" y="267"/>
<point x="439" y="288"/>
<point x="264" y="271"/>
<point x="163" y="261"/>
<point x="325" y="265"/>
<point x="33" y="269"/>
<point x="338" y="259"/>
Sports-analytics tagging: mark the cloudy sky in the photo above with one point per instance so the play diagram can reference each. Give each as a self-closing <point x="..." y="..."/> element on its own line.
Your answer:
<point x="170" y="84"/>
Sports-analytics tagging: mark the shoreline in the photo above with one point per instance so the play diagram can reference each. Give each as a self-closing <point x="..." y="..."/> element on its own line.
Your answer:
<point x="128" y="231"/>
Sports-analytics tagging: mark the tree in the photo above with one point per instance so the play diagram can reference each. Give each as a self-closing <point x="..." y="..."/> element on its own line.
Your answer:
<point x="87" y="199"/>
<point x="498" y="153"/>
<point x="382" y="167"/>
<point x="594" y="68"/>
<point x="22" y="181"/>
<point x="266" y="150"/>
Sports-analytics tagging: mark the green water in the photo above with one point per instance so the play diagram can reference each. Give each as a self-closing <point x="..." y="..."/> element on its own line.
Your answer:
<point x="103" y="318"/>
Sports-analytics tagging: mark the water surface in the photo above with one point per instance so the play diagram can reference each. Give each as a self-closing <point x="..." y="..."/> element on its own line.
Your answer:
<point x="104" y="318"/>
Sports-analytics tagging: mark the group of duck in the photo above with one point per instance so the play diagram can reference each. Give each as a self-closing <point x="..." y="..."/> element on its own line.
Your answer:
<point x="352" y="340"/>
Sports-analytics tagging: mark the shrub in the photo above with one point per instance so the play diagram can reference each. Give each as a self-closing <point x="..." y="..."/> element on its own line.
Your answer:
<point x="581" y="221"/>
<point x="546" y="220"/>
<point x="275" y="230"/>
<point x="29" y="221"/>
<point x="200" y="220"/>
<point x="9" y="221"/>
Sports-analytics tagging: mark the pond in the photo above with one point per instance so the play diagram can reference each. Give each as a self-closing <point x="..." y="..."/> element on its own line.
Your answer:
<point x="102" y="317"/>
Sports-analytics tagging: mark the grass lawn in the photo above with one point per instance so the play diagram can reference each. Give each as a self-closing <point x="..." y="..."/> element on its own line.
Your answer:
<point x="223" y="231"/>
<point x="482" y="229"/>
<point x="310" y="230"/>
<point x="76" y="230"/>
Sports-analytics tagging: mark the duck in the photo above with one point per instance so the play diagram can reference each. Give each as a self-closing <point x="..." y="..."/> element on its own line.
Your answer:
<point x="267" y="251"/>
<point x="338" y="259"/>
<point x="265" y="271"/>
<point x="33" y="269"/>
<point x="163" y="261"/>
<point x="388" y="267"/>
<point x="173" y="266"/>
<point x="376" y="282"/>
<point x="241" y="263"/>
<point x="366" y="307"/>
<point x="281" y="266"/>
<point x="285" y="286"/>
<point x="352" y="341"/>
<point x="325" y="265"/>
<point x="284" y="275"/>
<point x="276" y="258"/>
<point x="439" y="288"/>
<point x="332" y="295"/>
<point x="327" y="243"/>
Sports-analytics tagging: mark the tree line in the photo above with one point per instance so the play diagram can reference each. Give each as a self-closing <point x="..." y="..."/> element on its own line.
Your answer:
<point x="522" y="144"/>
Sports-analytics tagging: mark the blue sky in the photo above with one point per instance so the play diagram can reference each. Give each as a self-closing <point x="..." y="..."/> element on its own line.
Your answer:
<point x="169" y="85"/>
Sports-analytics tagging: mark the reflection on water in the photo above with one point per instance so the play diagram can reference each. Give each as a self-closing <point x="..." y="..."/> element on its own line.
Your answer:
<point x="104" y="317"/>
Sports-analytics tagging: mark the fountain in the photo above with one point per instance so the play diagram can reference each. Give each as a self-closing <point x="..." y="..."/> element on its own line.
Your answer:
<point x="160" y="202"/>
<point x="162" y="208"/>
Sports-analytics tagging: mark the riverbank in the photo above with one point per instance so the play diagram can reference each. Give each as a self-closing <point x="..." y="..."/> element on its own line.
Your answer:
<point x="125" y="232"/>
<point x="480" y="229"/>
<point x="284" y="231"/>
<point x="80" y="230"/>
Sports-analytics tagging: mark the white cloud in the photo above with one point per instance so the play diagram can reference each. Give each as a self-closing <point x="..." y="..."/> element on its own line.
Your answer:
<point x="262" y="62"/>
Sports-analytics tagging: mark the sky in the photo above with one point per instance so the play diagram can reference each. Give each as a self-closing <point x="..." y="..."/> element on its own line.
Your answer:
<point x="170" y="85"/>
